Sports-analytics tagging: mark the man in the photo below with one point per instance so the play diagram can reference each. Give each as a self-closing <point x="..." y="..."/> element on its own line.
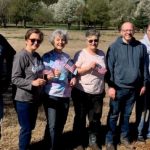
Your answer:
<point x="6" y="59"/>
<point x="126" y="77"/>
<point x="143" y="104"/>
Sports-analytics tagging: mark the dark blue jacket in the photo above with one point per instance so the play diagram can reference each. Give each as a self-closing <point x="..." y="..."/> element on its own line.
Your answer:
<point x="126" y="64"/>
<point x="6" y="58"/>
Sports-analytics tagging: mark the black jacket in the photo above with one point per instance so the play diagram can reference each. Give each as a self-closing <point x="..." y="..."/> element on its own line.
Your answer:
<point x="6" y="58"/>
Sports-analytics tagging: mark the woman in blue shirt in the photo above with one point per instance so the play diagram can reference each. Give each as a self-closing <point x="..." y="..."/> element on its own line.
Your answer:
<point x="58" y="87"/>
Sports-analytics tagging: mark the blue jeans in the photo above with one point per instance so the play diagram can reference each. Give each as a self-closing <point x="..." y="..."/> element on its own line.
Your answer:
<point x="56" y="109"/>
<point x="143" y="114"/>
<point x="123" y="105"/>
<point x="1" y="107"/>
<point x="90" y="105"/>
<point x="27" y="114"/>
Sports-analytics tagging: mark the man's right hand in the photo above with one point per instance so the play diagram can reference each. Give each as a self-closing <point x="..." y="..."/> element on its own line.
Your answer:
<point x="112" y="93"/>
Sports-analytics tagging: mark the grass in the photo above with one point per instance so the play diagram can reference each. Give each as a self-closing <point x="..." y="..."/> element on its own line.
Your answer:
<point x="10" y="128"/>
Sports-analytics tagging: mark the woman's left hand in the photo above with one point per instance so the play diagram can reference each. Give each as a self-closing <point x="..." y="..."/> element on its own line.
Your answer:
<point x="73" y="82"/>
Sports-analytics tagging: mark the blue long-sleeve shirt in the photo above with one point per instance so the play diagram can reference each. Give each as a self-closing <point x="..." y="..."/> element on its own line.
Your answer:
<point x="126" y="64"/>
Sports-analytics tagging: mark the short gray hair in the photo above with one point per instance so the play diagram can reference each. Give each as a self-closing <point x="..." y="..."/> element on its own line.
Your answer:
<point x="61" y="33"/>
<point x="92" y="32"/>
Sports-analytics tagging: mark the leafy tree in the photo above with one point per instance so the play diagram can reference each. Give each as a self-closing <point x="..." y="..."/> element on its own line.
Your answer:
<point x="141" y="21"/>
<point x="143" y="7"/>
<point x="121" y="11"/>
<point x="97" y="14"/>
<point x="49" y="2"/>
<point x="42" y="16"/>
<point x="3" y="11"/>
<point x="67" y="11"/>
<point x="22" y="10"/>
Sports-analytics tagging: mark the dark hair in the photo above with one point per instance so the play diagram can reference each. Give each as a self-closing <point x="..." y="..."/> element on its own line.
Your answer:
<point x="92" y="32"/>
<point x="34" y="30"/>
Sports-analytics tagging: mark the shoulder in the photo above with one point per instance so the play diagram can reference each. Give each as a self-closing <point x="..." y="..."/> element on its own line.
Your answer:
<point x="79" y="52"/>
<point x="100" y="52"/>
<point x="2" y="38"/>
<point x="115" y="44"/>
<point x="47" y="54"/>
<point x="21" y="55"/>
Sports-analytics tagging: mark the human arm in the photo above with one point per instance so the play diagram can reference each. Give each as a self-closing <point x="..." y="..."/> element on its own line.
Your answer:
<point x="110" y="61"/>
<point x="109" y="77"/>
<point x="142" y="90"/>
<point x="8" y="54"/>
<point x="22" y="76"/>
<point x="85" y="69"/>
<point x="79" y="60"/>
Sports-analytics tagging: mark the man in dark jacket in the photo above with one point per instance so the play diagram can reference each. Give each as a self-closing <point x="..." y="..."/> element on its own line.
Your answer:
<point x="126" y="77"/>
<point x="6" y="58"/>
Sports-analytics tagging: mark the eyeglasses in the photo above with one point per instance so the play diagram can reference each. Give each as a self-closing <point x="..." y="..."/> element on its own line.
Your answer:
<point x="128" y="31"/>
<point x="91" y="41"/>
<point x="35" y="40"/>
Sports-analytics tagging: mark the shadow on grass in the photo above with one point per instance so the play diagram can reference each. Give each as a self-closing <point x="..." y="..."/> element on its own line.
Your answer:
<point x="69" y="142"/>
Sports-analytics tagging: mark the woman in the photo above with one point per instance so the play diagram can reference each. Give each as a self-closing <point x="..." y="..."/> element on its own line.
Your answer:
<point x="88" y="93"/>
<point x="58" y="87"/>
<point x="26" y="76"/>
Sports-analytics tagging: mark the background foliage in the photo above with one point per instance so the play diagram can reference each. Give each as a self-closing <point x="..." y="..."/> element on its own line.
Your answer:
<point x="74" y="13"/>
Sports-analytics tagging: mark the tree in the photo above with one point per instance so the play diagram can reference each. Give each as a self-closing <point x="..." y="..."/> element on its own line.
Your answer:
<point x="49" y="2"/>
<point x="66" y="11"/>
<point x="22" y="10"/>
<point x="141" y="21"/>
<point x="98" y="13"/>
<point x="121" y="11"/>
<point x="3" y="11"/>
<point x="42" y="16"/>
<point x="143" y="7"/>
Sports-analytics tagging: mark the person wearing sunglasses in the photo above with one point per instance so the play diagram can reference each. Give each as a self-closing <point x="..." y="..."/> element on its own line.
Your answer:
<point x="27" y="77"/>
<point x="58" y="88"/>
<point x="89" y="90"/>
<point x="127" y="78"/>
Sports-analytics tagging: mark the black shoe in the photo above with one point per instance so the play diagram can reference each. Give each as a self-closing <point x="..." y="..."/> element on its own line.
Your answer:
<point x="110" y="146"/>
<point x="92" y="139"/>
<point x="93" y="142"/>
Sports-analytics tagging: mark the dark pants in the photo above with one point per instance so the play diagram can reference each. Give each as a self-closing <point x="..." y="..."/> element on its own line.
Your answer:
<point x="27" y="114"/>
<point x="123" y="105"/>
<point x="143" y="114"/>
<point x="56" y="109"/>
<point x="86" y="104"/>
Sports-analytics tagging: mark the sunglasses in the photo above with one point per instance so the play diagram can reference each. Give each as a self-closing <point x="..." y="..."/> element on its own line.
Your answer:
<point x="91" y="41"/>
<point x="35" y="40"/>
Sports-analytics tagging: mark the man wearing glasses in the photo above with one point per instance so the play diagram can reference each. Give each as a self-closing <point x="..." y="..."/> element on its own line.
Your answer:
<point x="126" y="77"/>
<point x="6" y="58"/>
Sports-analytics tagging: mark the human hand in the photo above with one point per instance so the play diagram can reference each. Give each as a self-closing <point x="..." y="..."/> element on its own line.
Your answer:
<point x="142" y="91"/>
<point x="38" y="82"/>
<point x="112" y="93"/>
<point x="91" y="66"/>
<point x="50" y="75"/>
<point x="73" y="82"/>
<point x="57" y="73"/>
